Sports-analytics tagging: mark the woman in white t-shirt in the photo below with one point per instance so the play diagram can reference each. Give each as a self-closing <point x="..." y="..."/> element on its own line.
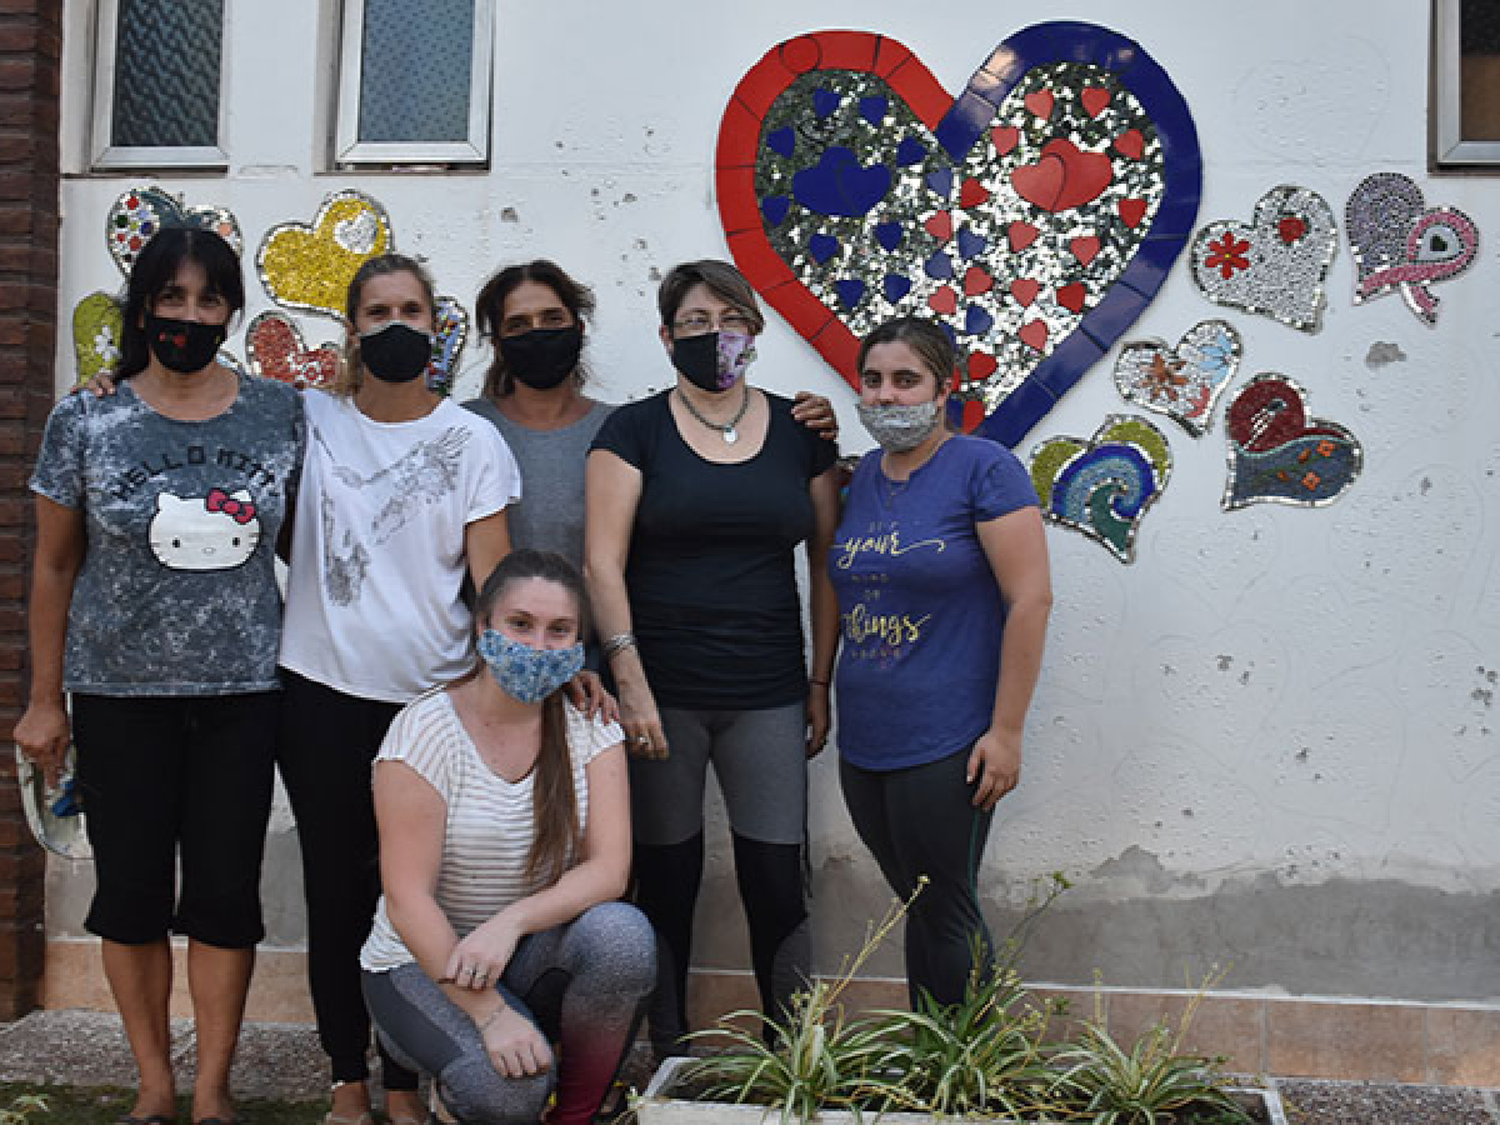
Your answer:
<point x="403" y="494"/>
<point x="505" y="838"/>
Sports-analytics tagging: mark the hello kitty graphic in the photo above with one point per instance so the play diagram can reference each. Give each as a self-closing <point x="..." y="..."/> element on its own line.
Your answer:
<point x="214" y="532"/>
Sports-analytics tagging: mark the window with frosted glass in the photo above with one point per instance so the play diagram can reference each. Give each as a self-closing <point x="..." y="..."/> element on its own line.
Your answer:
<point x="416" y="81"/>
<point x="161" y="65"/>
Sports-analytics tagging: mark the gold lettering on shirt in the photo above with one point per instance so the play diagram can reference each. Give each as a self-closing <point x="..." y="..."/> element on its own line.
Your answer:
<point x="886" y="543"/>
<point x="892" y="629"/>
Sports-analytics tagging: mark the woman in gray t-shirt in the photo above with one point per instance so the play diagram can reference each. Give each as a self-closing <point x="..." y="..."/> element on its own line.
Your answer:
<point x="154" y="604"/>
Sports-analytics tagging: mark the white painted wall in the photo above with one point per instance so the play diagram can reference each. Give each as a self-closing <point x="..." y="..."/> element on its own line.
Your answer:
<point x="1268" y="743"/>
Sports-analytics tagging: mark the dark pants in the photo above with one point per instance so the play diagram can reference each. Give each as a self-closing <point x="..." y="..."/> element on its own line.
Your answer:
<point x="327" y="744"/>
<point x="920" y="821"/>
<point x="169" y="778"/>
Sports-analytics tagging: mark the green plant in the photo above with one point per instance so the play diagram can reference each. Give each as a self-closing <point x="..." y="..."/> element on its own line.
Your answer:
<point x="813" y="1057"/>
<point x="21" y="1107"/>
<point x="1146" y="1083"/>
<point x="983" y="1055"/>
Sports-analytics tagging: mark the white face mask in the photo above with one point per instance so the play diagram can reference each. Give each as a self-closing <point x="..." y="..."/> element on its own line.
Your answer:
<point x="899" y="427"/>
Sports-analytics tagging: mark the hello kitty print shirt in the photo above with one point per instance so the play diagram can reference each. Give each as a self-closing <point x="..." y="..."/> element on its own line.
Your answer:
<point x="177" y="595"/>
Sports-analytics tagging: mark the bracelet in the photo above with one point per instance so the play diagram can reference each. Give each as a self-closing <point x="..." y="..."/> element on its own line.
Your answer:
<point x="618" y="644"/>
<point x="491" y="1018"/>
<point x="817" y="683"/>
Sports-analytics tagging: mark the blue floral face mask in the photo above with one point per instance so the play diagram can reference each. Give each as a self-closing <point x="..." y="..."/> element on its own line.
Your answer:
<point x="529" y="674"/>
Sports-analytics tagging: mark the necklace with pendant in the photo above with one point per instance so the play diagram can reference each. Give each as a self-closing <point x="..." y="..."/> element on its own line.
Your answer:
<point x="727" y="429"/>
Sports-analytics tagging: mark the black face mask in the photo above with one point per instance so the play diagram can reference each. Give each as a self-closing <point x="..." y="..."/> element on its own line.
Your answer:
<point x="543" y="357"/>
<point x="184" y="346"/>
<point x="395" y="352"/>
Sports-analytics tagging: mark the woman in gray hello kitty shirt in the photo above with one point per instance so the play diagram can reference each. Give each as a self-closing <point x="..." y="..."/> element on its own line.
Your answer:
<point x="154" y="605"/>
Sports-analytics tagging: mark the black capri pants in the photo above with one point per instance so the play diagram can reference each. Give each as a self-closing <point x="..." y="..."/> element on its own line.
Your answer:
<point x="169" y="778"/>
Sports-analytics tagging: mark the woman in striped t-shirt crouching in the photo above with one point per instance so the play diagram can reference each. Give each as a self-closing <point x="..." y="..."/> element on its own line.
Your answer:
<point x="504" y="841"/>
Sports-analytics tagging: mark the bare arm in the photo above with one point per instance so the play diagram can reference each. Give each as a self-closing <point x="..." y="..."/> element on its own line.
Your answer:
<point x="613" y="489"/>
<point x="61" y="542"/>
<point x="824" y="610"/>
<point x="1016" y="547"/>
<point x="486" y="542"/>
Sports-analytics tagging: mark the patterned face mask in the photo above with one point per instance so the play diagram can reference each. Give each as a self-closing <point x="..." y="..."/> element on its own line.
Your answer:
<point x="715" y="361"/>
<point x="529" y="674"/>
<point x="898" y="428"/>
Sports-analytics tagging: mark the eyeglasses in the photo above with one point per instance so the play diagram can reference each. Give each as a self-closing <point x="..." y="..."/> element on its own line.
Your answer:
<point x="697" y="324"/>
<point x="547" y="318"/>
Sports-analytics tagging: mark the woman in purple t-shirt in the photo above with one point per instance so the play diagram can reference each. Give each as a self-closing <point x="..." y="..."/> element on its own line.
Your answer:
<point x="940" y="567"/>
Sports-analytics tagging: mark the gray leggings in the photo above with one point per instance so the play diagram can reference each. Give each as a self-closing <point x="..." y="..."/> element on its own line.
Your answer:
<point x="582" y="984"/>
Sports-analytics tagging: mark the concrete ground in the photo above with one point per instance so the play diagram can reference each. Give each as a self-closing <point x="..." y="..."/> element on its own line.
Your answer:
<point x="283" y="1061"/>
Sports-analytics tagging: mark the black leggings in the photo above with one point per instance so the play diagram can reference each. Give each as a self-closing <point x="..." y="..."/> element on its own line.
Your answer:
<point x="920" y="821"/>
<point x="327" y="744"/>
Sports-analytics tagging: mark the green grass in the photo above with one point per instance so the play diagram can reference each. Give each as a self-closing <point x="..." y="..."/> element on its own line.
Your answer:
<point x="95" y="1105"/>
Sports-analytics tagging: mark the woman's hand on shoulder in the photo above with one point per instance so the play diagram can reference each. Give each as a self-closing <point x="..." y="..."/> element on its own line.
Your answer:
<point x="514" y="1044"/>
<point x="586" y="693"/>
<point x="816" y="413"/>
<point x="994" y="766"/>
<point x="99" y="386"/>
<point x="43" y="735"/>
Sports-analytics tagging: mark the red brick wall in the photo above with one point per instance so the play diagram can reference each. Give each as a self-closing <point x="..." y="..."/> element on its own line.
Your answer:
<point x="30" y="50"/>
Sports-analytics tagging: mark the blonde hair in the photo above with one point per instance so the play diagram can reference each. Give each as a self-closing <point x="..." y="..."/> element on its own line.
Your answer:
<point x="351" y="370"/>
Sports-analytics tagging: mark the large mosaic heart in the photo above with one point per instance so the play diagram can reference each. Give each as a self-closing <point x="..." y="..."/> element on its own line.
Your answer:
<point x="1277" y="265"/>
<point x="310" y="267"/>
<point x="1036" y="216"/>
<point x="1277" y="454"/>
<point x="1183" y="382"/>
<point x="1102" y="487"/>
<point x="1400" y="245"/>
<point x="98" y="325"/>
<point x="274" y="346"/>
<point x="139" y="213"/>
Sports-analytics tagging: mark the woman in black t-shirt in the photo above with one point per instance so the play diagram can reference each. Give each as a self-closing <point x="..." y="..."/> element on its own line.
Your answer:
<point x="697" y="499"/>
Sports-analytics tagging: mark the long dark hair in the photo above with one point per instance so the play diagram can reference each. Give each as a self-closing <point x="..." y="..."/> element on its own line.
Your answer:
<point x="554" y="800"/>
<point x="155" y="267"/>
<point x="489" y="311"/>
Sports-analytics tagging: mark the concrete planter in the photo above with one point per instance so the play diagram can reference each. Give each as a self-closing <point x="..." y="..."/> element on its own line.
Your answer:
<point x="658" y="1106"/>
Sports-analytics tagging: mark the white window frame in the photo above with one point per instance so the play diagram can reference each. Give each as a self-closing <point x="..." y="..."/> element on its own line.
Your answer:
<point x="106" y="156"/>
<point x="475" y="149"/>
<point x="1450" y="150"/>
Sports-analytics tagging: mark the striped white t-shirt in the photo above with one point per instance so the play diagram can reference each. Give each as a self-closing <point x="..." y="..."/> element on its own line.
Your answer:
<point x="490" y="822"/>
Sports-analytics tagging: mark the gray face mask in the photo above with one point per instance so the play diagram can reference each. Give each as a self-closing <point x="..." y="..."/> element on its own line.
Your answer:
<point x="900" y="428"/>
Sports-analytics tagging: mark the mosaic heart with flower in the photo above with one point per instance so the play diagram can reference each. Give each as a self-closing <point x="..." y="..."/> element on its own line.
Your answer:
<point x="1102" y="487"/>
<point x="97" y="328"/>
<point x="310" y="267"/>
<point x="1183" y="382"/>
<point x="1036" y="216"/>
<point x="275" y="348"/>
<point x="1277" y="265"/>
<point x="1277" y="454"/>
<point x="139" y="213"/>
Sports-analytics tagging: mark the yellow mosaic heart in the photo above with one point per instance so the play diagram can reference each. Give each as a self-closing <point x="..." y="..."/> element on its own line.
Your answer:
<point x="97" y="327"/>
<point x="310" y="267"/>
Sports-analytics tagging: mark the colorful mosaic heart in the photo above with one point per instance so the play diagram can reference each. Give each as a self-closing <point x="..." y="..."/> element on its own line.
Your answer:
<point x="1279" y="455"/>
<point x="276" y="350"/>
<point x="310" y="267"/>
<point x="1183" y="383"/>
<point x="1277" y="265"/>
<point x="1103" y="487"/>
<point x="97" y="328"/>
<point x="452" y="324"/>
<point x="139" y="213"/>
<point x="1399" y="244"/>
<point x="1036" y="216"/>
